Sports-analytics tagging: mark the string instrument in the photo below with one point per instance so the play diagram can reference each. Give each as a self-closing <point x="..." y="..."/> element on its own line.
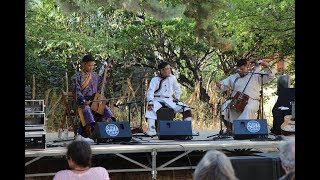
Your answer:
<point x="288" y="126"/>
<point x="99" y="101"/>
<point x="239" y="101"/>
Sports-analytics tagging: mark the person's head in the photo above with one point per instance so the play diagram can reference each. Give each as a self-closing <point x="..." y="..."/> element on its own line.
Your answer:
<point x="287" y="154"/>
<point x="214" y="165"/>
<point x="242" y="65"/>
<point x="79" y="154"/>
<point x="164" y="68"/>
<point x="88" y="62"/>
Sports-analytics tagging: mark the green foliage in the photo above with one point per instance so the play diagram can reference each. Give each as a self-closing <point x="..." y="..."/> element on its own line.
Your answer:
<point x="265" y="25"/>
<point x="199" y="38"/>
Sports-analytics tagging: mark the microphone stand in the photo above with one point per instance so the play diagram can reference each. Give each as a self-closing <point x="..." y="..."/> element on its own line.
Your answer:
<point x="261" y="96"/>
<point x="183" y="107"/>
<point x="129" y="108"/>
<point x="142" y="105"/>
<point x="220" y="135"/>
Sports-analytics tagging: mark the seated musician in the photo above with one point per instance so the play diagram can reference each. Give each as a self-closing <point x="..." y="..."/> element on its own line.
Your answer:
<point x="85" y="86"/>
<point x="163" y="90"/>
<point x="238" y="83"/>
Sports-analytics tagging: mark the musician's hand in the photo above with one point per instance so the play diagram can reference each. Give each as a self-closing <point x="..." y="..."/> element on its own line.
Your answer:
<point x="106" y="65"/>
<point x="150" y="105"/>
<point x="264" y="64"/>
<point x="150" y="108"/>
<point x="86" y="102"/>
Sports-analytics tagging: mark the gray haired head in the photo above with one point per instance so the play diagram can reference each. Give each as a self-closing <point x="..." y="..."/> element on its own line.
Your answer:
<point x="214" y="165"/>
<point x="287" y="154"/>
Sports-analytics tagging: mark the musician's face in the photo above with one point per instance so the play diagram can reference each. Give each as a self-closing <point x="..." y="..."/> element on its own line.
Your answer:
<point x="166" y="71"/>
<point x="243" y="69"/>
<point x="88" y="66"/>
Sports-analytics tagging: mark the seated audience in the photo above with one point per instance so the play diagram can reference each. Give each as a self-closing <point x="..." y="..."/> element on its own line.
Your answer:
<point x="287" y="157"/>
<point x="214" y="165"/>
<point x="79" y="157"/>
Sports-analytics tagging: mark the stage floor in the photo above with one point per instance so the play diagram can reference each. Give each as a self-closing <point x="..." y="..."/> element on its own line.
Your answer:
<point x="151" y="152"/>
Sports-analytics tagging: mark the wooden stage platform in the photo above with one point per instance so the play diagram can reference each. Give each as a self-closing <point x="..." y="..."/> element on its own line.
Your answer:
<point x="146" y="154"/>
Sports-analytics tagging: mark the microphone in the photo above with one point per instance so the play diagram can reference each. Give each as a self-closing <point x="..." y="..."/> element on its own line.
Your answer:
<point x="258" y="62"/>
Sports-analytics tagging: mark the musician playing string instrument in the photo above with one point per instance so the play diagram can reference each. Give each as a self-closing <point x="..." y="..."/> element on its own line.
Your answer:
<point x="243" y="85"/>
<point x="85" y="86"/>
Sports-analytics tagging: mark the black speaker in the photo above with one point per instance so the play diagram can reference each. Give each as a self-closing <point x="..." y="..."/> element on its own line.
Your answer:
<point x="173" y="130"/>
<point x="249" y="128"/>
<point x="164" y="113"/>
<point x="257" y="167"/>
<point x="112" y="132"/>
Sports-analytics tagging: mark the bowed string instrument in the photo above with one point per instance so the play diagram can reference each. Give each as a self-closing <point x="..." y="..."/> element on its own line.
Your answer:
<point x="99" y="101"/>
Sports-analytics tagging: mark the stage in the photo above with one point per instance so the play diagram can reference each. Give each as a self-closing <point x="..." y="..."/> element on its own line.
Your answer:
<point x="147" y="154"/>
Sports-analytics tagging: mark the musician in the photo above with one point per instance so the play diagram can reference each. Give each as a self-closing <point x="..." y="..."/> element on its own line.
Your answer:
<point x="250" y="82"/>
<point x="164" y="89"/>
<point x="85" y="85"/>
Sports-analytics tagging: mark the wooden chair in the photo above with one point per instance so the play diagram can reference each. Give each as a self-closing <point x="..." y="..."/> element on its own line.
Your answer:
<point x="70" y="115"/>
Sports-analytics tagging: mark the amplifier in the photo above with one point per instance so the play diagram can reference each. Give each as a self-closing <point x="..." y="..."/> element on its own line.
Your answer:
<point x="35" y="139"/>
<point x="34" y="119"/>
<point x="34" y="106"/>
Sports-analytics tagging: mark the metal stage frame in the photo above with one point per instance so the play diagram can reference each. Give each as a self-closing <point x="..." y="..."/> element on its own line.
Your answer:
<point x="153" y="146"/>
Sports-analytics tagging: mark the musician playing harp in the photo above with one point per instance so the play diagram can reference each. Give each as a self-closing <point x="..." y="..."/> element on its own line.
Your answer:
<point x="85" y="85"/>
<point x="245" y="89"/>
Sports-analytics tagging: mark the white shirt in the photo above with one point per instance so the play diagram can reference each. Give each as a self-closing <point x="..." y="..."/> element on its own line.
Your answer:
<point x="169" y="87"/>
<point x="254" y="86"/>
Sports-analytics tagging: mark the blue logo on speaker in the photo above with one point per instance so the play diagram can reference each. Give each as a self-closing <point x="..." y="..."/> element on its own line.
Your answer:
<point x="253" y="126"/>
<point x="112" y="130"/>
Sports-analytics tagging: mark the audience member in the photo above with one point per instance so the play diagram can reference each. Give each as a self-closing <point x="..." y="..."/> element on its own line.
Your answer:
<point x="214" y="165"/>
<point x="287" y="157"/>
<point x="79" y="157"/>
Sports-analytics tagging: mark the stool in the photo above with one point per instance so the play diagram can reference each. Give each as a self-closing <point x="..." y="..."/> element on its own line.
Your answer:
<point x="164" y="113"/>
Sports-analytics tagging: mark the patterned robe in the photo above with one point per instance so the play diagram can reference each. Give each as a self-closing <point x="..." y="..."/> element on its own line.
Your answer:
<point x="87" y="93"/>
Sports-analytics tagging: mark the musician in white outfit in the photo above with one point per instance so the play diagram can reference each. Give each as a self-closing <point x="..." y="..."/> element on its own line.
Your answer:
<point x="238" y="82"/>
<point x="164" y="88"/>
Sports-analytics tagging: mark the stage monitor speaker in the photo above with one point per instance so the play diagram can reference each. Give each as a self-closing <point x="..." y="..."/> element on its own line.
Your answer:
<point x="112" y="132"/>
<point x="173" y="130"/>
<point x="249" y="128"/>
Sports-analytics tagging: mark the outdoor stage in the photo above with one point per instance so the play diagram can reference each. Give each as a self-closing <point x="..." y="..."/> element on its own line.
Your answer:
<point x="153" y="155"/>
